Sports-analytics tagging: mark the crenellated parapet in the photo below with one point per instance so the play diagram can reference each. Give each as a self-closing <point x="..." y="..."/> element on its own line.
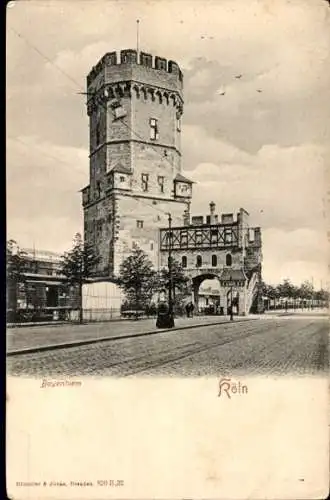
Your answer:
<point x="113" y="92"/>
<point x="132" y="57"/>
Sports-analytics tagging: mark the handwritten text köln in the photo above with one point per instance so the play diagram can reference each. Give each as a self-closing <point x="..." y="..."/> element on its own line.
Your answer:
<point x="229" y="387"/>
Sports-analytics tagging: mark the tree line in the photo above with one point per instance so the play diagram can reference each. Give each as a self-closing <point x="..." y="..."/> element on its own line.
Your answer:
<point x="138" y="279"/>
<point x="296" y="296"/>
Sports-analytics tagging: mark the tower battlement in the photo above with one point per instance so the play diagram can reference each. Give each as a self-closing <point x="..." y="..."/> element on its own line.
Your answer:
<point x="111" y="62"/>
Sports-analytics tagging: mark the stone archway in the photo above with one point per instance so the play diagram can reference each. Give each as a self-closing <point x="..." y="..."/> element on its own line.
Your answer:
<point x="195" y="286"/>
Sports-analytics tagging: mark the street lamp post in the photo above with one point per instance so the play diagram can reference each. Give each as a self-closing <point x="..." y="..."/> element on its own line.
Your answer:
<point x="231" y="303"/>
<point x="170" y="287"/>
<point x="231" y="298"/>
<point x="165" y="316"/>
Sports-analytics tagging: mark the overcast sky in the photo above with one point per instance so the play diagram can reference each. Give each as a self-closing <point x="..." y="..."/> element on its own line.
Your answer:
<point x="262" y="145"/>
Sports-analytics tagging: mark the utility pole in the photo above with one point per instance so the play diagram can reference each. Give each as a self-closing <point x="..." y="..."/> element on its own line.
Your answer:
<point x="231" y="298"/>
<point x="137" y="38"/>
<point x="170" y="285"/>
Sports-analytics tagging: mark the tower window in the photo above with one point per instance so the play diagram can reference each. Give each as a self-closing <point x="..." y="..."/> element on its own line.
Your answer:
<point x="154" y="135"/>
<point x="214" y="261"/>
<point x="122" y="178"/>
<point x="139" y="224"/>
<point x="161" y="183"/>
<point x="98" y="132"/>
<point x="98" y="127"/>
<point x="229" y="260"/>
<point x="199" y="261"/>
<point x="98" y="189"/>
<point x="184" y="261"/>
<point x="144" y="182"/>
<point x="178" y="124"/>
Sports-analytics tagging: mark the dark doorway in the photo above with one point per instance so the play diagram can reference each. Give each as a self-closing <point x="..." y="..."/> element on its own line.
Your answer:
<point x="51" y="296"/>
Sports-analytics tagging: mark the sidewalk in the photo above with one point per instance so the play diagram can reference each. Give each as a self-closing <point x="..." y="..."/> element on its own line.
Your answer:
<point x="38" y="338"/>
<point x="316" y="312"/>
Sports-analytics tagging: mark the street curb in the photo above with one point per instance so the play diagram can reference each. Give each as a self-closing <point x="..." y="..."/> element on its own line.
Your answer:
<point x="61" y="323"/>
<point x="78" y="343"/>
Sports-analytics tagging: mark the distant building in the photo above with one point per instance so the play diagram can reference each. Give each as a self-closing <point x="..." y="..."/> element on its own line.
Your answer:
<point x="44" y="293"/>
<point x="209" y="300"/>
<point x="44" y="286"/>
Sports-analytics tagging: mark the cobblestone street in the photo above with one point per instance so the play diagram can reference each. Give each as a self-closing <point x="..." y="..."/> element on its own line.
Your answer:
<point x="31" y="337"/>
<point x="294" y="345"/>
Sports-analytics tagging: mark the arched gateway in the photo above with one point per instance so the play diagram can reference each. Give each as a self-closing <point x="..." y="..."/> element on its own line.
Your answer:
<point x="228" y="250"/>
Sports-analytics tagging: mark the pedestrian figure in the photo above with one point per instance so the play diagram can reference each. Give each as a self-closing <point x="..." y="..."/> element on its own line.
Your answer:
<point x="189" y="309"/>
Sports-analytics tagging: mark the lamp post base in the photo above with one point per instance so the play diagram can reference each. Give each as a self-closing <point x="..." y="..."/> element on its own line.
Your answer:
<point x="165" y="320"/>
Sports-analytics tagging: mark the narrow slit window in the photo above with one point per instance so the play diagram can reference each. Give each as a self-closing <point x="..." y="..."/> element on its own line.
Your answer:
<point x="154" y="133"/>
<point x="161" y="183"/>
<point x="98" y="189"/>
<point x="145" y="182"/>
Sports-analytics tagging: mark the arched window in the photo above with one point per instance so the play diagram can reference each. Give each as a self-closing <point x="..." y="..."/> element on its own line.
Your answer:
<point x="214" y="261"/>
<point x="198" y="261"/>
<point x="184" y="261"/>
<point x="229" y="260"/>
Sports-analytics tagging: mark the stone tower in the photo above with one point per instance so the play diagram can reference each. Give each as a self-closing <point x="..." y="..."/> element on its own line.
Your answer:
<point x="135" y="105"/>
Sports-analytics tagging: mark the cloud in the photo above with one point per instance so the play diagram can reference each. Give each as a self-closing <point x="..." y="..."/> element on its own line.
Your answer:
<point x="279" y="187"/>
<point x="296" y="255"/>
<point x="43" y="198"/>
<point x="262" y="150"/>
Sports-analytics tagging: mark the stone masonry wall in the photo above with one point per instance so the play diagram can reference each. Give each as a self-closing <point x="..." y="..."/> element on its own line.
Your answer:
<point x="153" y="162"/>
<point x="131" y="212"/>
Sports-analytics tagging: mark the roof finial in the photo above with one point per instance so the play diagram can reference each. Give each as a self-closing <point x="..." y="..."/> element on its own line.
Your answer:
<point x="137" y="37"/>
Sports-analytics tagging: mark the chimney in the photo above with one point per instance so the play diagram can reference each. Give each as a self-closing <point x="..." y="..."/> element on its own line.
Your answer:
<point x="212" y="213"/>
<point x="186" y="216"/>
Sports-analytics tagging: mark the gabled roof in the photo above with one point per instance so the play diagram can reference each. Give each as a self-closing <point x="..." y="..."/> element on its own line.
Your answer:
<point x="121" y="169"/>
<point x="181" y="178"/>
<point x="232" y="275"/>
